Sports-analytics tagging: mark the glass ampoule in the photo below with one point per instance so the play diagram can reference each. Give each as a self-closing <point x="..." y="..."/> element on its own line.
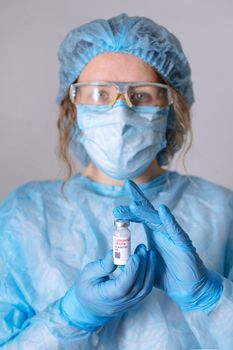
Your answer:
<point x="121" y="242"/>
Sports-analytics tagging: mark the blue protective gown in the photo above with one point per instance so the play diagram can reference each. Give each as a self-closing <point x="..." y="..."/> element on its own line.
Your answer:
<point x="47" y="239"/>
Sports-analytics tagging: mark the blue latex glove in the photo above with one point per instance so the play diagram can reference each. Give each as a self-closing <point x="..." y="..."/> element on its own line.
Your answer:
<point x="180" y="272"/>
<point x="97" y="297"/>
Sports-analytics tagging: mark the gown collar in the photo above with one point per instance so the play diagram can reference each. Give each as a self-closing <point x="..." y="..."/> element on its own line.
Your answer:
<point x="115" y="190"/>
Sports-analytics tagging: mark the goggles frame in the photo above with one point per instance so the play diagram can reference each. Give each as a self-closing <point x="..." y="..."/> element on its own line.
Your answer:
<point x="122" y="89"/>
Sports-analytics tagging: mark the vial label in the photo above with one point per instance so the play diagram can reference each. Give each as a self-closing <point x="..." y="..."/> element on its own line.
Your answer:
<point x="121" y="250"/>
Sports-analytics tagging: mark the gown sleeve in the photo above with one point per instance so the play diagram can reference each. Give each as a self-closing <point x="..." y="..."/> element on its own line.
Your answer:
<point x="214" y="330"/>
<point x="23" y="326"/>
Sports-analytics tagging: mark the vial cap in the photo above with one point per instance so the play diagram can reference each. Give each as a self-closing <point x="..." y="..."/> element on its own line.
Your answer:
<point x="121" y="223"/>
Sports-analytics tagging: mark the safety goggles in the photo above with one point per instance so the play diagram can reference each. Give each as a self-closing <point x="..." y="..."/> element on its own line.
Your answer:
<point x="102" y="93"/>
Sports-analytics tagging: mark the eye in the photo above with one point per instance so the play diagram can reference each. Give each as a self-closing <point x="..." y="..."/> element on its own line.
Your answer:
<point x="100" y="95"/>
<point x="139" y="97"/>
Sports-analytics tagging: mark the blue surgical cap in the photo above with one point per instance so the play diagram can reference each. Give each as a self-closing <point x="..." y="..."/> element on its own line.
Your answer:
<point x="138" y="36"/>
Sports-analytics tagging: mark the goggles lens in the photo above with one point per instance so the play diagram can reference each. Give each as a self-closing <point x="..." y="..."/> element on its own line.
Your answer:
<point x="104" y="94"/>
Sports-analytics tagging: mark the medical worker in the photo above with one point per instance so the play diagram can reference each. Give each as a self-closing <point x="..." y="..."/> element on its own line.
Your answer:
<point x="125" y="96"/>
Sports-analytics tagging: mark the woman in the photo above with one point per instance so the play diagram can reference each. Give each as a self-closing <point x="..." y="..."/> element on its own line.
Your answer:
<point x="125" y="96"/>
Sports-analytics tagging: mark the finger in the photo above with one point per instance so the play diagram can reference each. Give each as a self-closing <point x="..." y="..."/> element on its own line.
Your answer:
<point x="120" y="286"/>
<point x="137" y="213"/>
<point x="100" y="268"/>
<point x="149" y="280"/>
<point x="123" y="212"/>
<point x="136" y="194"/>
<point x="173" y="229"/>
<point x="139" y="282"/>
<point x="146" y="215"/>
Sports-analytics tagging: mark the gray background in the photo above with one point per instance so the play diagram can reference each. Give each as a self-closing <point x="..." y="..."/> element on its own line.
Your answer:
<point x="30" y="33"/>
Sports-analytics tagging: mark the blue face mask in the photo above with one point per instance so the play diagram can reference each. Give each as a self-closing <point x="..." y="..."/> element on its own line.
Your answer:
<point x="122" y="141"/>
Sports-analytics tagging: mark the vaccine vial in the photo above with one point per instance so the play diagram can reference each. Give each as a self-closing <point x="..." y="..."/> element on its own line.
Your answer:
<point x="121" y="242"/>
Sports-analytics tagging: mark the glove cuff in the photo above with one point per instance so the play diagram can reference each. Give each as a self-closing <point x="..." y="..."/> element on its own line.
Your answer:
<point x="76" y="315"/>
<point x="206" y="294"/>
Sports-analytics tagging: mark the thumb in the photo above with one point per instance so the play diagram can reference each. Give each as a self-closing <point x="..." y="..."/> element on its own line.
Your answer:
<point x="136" y="194"/>
<point x="173" y="229"/>
<point x="166" y="217"/>
<point x="100" y="268"/>
<point x="148" y="216"/>
<point x="123" y="212"/>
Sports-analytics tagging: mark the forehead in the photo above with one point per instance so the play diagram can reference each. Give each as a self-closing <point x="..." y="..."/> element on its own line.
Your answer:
<point x="114" y="66"/>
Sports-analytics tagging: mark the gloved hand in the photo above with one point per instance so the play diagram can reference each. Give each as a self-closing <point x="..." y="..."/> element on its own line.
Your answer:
<point x="180" y="272"/>
<point x="97" y="297"/>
